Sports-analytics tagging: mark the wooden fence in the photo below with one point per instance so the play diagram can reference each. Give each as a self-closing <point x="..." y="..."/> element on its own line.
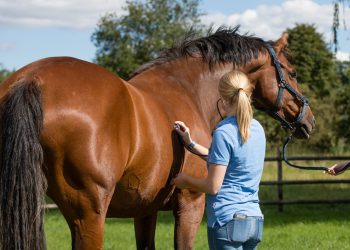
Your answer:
<point x="280" y="182"/>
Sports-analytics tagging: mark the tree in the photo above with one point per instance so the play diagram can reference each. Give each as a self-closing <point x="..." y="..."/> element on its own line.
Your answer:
<point x="126" y="42"/>
<point x="343" y="103"/>
<point x="319" y="80"/>
<point x="275" y="135"/>
<point x="4" y="73"/>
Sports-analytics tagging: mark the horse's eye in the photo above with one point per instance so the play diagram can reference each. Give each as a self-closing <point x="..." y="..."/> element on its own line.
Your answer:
<point x="293" y="74"/>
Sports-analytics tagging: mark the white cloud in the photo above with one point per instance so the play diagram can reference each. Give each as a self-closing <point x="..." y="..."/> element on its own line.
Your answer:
<point x="7" y="46"/>
<point x="56" y="13"/>
<point x="343" y="56"/>
<point x="269" y="21"/>
<point x="266" y="21"/>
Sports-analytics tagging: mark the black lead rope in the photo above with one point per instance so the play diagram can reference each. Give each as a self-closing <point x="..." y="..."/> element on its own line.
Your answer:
<point x="284" y="158"/>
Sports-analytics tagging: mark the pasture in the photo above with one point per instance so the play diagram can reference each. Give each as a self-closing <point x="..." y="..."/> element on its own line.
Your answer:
<point x="298" y="227"/>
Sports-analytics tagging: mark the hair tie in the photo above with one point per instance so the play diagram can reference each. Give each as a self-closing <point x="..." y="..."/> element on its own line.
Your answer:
<point x="240" y="89"/>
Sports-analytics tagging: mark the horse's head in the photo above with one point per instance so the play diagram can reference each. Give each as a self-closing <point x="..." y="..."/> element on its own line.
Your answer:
<point x="276" y="90"/>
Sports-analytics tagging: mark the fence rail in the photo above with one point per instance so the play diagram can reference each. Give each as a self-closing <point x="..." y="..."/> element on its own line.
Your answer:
<point x="280" y="182"/>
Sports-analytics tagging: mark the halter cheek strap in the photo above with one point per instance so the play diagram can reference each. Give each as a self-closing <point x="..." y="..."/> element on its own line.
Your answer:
<point x="284" y="85"/>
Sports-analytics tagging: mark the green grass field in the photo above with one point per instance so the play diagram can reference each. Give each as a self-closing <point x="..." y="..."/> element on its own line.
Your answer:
<point x="298" y="227"/>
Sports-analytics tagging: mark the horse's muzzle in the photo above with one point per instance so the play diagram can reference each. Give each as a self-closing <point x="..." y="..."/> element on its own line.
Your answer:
<point x="305" y="129"/>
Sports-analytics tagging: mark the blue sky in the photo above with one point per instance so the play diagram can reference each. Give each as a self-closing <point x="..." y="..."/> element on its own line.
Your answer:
<point x="34" y="29"/>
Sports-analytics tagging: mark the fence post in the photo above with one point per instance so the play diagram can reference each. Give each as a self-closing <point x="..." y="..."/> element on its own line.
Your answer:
<point x="279" y="180"/>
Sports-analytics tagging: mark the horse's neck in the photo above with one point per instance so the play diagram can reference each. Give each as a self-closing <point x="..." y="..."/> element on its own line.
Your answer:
<point x="184" y="79"/>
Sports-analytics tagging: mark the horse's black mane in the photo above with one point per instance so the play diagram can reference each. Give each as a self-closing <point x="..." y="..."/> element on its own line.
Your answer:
<point x="224" y="45"/>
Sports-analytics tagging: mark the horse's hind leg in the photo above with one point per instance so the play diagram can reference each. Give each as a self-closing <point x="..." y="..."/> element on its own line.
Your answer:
<point x="188" y="209"/>
<point x="145" y="229"/>
<point x="87" y="231"/>
<point x="83" y="202"/>
<point x="86" y="221"/>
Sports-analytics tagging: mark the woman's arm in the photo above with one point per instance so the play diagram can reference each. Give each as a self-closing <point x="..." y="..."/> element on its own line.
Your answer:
<point x="210" y="185"/>
<point x="337" y="168"/>
<point x="201" y="150"/>
<point x="184" y="132"/>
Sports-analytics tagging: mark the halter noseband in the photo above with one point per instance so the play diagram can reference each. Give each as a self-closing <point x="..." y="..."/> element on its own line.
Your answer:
<point x="282" y="85"/>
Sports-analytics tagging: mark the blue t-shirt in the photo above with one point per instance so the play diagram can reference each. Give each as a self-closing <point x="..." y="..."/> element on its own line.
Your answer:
<point x="244" y="165"/>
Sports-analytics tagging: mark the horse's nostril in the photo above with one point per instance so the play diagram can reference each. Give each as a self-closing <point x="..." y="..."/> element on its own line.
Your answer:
<point x="314" y="122"/>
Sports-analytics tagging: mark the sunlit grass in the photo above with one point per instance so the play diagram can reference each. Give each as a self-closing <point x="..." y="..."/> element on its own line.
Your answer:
<point x="298" y="227"/>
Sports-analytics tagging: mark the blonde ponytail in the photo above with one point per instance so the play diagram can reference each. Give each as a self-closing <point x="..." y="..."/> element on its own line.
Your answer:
<point x="235" y="89"/>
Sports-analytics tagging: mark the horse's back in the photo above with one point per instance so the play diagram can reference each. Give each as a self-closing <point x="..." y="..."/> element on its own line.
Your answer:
<point x="66" y="74"/>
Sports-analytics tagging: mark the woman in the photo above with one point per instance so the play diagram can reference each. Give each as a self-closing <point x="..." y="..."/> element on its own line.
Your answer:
<point x="235" y="163"/>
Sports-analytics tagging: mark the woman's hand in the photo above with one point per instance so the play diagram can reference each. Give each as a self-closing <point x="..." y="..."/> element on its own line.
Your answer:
<point x="180" y="181"/>
<point x="337" y="168"/>
<point x="183" y="131"/>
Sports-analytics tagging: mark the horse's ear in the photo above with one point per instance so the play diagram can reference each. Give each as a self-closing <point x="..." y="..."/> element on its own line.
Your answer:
<point x="282" y="42"/>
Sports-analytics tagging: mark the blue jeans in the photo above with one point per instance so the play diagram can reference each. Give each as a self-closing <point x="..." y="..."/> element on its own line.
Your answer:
<point x="241" y="233"/>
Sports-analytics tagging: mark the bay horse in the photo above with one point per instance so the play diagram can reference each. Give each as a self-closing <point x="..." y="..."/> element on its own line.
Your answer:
<point x="102" y="147"/>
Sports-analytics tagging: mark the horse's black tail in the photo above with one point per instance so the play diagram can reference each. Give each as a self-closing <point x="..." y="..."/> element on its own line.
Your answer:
<point x="22" y="183"/>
